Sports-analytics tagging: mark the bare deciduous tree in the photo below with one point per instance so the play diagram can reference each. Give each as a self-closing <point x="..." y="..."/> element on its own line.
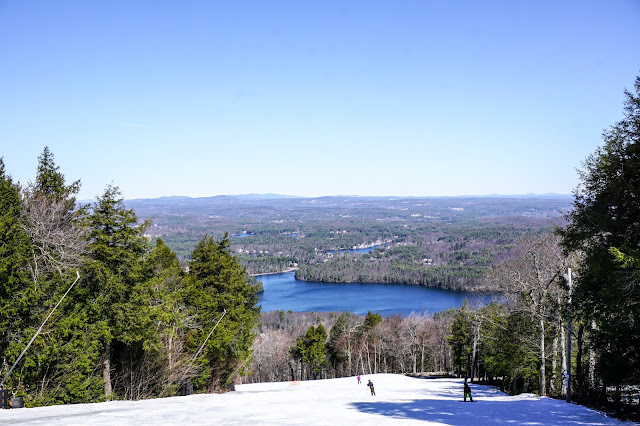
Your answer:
<point x="533" y="283"/>
<point x="59" y="241"/>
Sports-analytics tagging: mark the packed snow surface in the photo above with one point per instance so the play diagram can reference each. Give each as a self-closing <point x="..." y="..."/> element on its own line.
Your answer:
<point x="399" y="399"/>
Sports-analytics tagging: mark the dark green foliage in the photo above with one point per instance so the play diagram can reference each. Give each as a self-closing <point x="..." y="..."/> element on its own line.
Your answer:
<point x="44" y="241"/>
<point x="50" y="182"/>
<point x="215" y="284"/>
<point x="605" y="228"/>
<point x="131" y="325"/>
<point x="505" y="351"/>
<point x="460" y="340"/>
<point x="51" y="221"/>
<point x="257" y="285"/>
<point x="115" y="289"/>
<point x="371" y="320"/>
<point x="311" y="349"/>
<point x="16" y="291"/>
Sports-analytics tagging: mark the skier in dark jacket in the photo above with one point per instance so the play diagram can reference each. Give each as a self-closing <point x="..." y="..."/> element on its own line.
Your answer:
<point x="467" y="391"/>
<point x="370" y="384"/>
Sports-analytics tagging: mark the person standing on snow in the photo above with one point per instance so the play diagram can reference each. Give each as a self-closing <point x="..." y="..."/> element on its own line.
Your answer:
<point x="358" y="379"/>
<point x="370" y="384"/>
<point x="467" y="391"/>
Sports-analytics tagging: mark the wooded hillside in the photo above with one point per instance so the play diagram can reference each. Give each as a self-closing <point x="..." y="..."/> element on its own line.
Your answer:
<point x="136" y="323"/>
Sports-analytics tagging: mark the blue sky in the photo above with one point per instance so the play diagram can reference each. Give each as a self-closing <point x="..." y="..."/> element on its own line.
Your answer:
<point x="313" y="98"/>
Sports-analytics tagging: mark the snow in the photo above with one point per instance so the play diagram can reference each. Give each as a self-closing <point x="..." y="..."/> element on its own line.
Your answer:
<point x="399" y="400"/>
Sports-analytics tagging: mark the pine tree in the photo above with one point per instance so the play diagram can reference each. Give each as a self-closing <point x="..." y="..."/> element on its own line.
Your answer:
<point x="311" y="349"/>
<point x="51" y="183"/>
<point x="460" y="340"/>
<point x="171" y="318"/>
<point x="604" y="227"/>
<point x="16" y="293"/>
<point x="217" y="285"/>
<point x="115" y="288"/>
<point x="51" y="220"/>
<point x="49" y="247"/>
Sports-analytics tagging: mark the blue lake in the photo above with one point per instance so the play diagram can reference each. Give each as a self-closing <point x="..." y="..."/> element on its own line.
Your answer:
<point x="358" y="251"/>
<point x="246" y="234"/>
<point x="284" y="292"/>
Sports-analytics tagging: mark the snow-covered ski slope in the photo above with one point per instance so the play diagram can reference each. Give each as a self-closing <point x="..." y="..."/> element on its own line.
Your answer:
<point x="398" y="400"/>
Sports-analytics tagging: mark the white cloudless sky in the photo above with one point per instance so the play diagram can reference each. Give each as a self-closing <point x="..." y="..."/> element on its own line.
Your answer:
<point x="313" y="98"/>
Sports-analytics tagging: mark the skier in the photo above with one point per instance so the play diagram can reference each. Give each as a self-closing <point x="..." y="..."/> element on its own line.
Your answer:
<point x="467" y="391"/>
<point x="358" y="379"/>
<point x="370" y="384"/>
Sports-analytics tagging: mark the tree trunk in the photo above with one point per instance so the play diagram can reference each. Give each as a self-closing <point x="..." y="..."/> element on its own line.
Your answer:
<point x="171" y="352"/>
<point x="563" y="362"/>
<point x="106" y="371"/>
<point x="592" y="361"/>
<point x="349" y="354"/>
<point x="554" y="365"/>
<point x="292" y="369"/>
<point x="375" y="358"/>
<point x="579" y="374"/>
<point x="543" y="369"/>
<point x="473" y="353"/>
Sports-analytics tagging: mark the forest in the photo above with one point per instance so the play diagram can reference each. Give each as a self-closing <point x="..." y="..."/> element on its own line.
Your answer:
<point x="99" y="303"/>
<point x="565" y="327"/>
<point x="131" y="321"/>
<point x="443" y="242"/>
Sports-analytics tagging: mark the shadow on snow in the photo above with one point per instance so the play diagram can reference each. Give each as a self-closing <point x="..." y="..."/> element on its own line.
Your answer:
<point x="490" y="407"/>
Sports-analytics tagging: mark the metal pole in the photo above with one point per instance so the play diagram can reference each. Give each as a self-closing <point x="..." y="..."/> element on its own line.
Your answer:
<point x="198" y="352"/>
<point x="569" y="337"/>
<point x="39" y="329"/>
<point x="205" y="340"/>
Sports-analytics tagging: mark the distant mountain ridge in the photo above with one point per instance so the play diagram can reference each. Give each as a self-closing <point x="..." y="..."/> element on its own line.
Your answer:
<point x="276" y="207"/>
<point x="272" y="196"/>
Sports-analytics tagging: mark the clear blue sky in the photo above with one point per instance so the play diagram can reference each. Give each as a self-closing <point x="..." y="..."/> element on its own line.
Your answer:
<point x="312" y="98"/>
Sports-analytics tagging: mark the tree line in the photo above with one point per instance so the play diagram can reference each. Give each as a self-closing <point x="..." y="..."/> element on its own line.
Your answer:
<point x="574" y="334"/>
<point x="303" y="346"/>
<point x="554" y="332"/>
<point x="136" y="324"/>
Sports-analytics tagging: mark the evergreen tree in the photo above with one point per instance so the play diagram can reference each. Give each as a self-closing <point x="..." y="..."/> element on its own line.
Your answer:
<point x="604" y="227"/>
<point x="49" y="234"/>
<point x="217" y="285"/>
<point x="16" y="293"/>
<point x="51" y="220"/>
<point x="371" y="320"/>
<point x="171" y="318"/>
<point x="51" y="183"/>
<point x="116" y="290"/>
<point x="460" y="340"/>
<point x="507" y="351"/>
<point x="311" y="349"/>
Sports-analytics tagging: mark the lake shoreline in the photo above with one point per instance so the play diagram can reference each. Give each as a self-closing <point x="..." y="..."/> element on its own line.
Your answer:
<point x="285" y="292"/>
<point x="274" y="273"/>
<point x="476" y="290"/>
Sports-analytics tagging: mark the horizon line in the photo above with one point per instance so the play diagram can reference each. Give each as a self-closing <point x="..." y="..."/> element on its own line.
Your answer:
<point x="283" y="196"/>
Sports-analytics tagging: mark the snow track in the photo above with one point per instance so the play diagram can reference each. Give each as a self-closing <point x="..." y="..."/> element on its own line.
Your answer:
<point x="399" y="400"/>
